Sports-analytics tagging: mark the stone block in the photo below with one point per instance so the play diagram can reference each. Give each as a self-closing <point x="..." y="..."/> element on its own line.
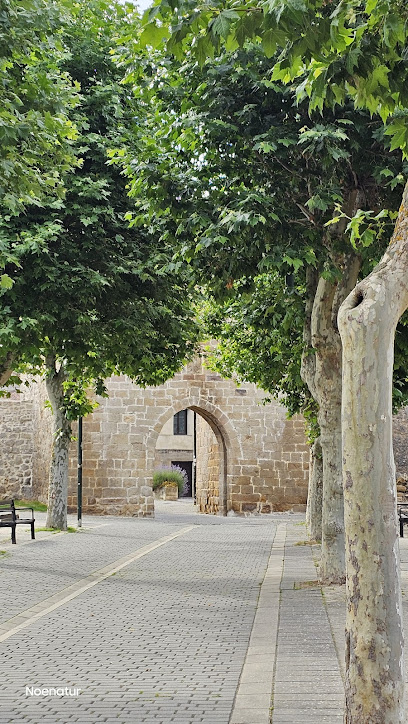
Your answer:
<point x="117" y="492"/>
<point x="246" y="489"/>
<point x="296" y="457"/>
<point x="249" y="507"/>
<point x="250" y="498"/>
<point x="145" y="490"/>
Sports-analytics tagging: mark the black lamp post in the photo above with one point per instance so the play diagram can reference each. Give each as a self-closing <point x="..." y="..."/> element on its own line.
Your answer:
<point x="79" y="498"/>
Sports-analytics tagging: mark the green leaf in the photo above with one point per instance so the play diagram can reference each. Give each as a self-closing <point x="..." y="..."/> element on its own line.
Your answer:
<point x="269" y="43"/>
<point x="153" y="35"/>
<point x="221" y="25"/>
<point x="295" y="263"/>
<point x="370" y="6"/>
<point x="203" y="49"/>
<point x="398" y="130"/>
<point x="367" y="237"/>
<point x="245" y="28"/>
<point x="6" y="282"/>
<point x="394" y="30"/>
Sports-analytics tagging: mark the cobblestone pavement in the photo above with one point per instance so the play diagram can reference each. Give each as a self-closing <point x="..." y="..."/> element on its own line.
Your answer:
<point x="163" y="639"/>
<point x="310" y="659"/>
<point x="185" y="618"/>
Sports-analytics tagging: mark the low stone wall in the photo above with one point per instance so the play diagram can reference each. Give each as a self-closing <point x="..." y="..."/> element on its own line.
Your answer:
<point x="164" y="458"/>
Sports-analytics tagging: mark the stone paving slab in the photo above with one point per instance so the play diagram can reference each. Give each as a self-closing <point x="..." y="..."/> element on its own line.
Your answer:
<point x="259" y="664"/>
<point x="307" y="685"/>
<point x="31" y="571"/>
<point x="205" y="628"/>
<point x="162" y="640"/>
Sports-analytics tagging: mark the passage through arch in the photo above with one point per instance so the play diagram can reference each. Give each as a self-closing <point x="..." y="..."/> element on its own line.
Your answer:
<point x="194" y="438"/>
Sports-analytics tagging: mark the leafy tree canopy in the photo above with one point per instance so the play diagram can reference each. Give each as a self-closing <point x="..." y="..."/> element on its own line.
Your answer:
<point x="36" y="97"/>
<point x="236" y="172"/>
<point x="334" y="49"/>
<point x="89" y="292"/>
<point x="242" y="179"/>
<point x="260" y="340"/>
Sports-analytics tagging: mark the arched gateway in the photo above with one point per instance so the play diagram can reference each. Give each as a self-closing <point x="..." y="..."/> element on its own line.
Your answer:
<point x="262" y="457"/>
<point x="228" y="444"/>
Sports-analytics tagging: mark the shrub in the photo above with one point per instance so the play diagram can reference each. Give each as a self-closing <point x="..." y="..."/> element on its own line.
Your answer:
<point x="173" y="474"/>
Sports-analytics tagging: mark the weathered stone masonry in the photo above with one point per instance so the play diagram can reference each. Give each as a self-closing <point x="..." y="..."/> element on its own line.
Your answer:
<point x="208" y="469"/>
<point x="25" y="443"/>
<point x="261" y="457"/>
<point x="17" y="445"/>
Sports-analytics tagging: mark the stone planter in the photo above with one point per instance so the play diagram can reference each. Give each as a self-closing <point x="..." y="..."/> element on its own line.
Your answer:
<point x="167" y="491"/>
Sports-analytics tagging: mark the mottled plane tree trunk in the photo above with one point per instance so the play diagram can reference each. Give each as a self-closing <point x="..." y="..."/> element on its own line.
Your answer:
<point x="308" y="375"/>
<point x="327" y="345"/>
<point x="321" y="372"/>
<point x="315" y="492"/>
<point x="58" y="480"/>
<point x="374" y="635"/>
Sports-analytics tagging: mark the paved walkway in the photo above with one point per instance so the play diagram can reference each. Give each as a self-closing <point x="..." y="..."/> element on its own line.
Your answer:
<point x="184" y="618"/>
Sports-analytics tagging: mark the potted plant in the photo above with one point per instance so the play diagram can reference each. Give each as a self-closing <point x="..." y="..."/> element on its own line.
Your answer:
<point x="168" y="483"/>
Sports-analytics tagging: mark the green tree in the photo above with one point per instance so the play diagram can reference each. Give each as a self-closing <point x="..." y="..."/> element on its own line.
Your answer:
<point x="243" y="181"/>
<point x="91" y="297"/>
<point x="259" y="336"/>
<point x="36" y="97"/>
<point x="335" y="51"/>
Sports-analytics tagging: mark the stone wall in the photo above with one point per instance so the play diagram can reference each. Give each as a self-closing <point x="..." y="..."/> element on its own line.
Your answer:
<point x="262" y="457"/>
<point x="43" y="439"/>
<point x="17" y="447"/>
<point x="170" y="447"/>
<point x="26" y="442"/>
<point x="207" y="469"/>
<point x="400" y="441"/>
<point x="164" y="458"/>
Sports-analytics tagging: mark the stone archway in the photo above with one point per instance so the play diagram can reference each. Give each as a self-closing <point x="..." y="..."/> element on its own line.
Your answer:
<point x="228" y="445"/>
<point x="264" y="455"/>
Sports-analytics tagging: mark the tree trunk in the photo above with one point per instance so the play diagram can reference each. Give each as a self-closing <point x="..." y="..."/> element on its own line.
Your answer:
<point x="327" y="344"/>
<point x="308" y="363"/>
<point x="6" y="369"/>
<point x="374" y="636"/>
<point x="308" y="375"/>
<point x="315" y="492"/>
<point x="58" y="480"/>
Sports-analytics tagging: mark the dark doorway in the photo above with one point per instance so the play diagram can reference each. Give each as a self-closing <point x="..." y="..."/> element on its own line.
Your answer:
<point x="188" y="467"/>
